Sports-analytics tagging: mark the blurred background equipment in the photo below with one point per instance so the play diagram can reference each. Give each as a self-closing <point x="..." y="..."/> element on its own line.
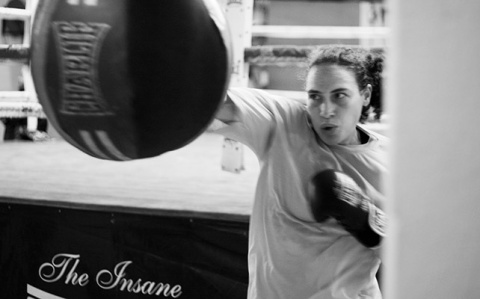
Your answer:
<point x="21" y="121"/>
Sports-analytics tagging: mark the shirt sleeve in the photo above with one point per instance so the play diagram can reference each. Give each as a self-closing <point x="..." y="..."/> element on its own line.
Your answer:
<point x="256" y="120"/>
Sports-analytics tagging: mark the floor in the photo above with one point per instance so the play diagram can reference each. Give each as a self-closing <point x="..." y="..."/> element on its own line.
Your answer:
<point x="188" y="180"/>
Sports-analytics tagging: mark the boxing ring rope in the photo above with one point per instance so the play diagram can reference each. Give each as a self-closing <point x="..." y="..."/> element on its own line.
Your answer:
<point x="16" y="52"/>
<point x="320" y="32"/>
<point x="277" y="55"/>
<point x="280" y="55"/>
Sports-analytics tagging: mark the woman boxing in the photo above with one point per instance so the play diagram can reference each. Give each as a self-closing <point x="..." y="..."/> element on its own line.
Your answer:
<point x="317" y="222"/>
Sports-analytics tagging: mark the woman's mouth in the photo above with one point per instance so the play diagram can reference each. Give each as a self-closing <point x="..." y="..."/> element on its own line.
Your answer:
<point x="328" y="128"/>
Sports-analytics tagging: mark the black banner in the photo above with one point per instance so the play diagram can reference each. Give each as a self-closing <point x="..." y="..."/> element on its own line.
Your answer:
<point x="54" y="253"/>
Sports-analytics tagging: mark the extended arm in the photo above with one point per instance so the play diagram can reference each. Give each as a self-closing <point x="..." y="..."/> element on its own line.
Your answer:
<point x="227" y="112"/>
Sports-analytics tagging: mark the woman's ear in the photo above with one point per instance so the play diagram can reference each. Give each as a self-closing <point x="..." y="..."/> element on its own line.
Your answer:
<point x="367" y="94"/>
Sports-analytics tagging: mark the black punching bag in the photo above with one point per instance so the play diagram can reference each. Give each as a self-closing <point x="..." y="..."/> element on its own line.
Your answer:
<point x="130" y="79"/>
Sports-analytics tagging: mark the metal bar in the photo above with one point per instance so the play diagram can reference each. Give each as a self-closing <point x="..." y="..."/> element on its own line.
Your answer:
<point x="16" y="97"/>
<point x="321" y="32"/>
<point x="14" y="14"/>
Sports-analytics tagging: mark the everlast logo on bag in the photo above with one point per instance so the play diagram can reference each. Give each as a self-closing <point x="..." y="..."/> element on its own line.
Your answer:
<point x="79" y="45"/>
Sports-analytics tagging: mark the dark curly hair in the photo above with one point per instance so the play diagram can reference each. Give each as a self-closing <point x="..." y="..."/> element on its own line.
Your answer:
<point x="367" y="66"/>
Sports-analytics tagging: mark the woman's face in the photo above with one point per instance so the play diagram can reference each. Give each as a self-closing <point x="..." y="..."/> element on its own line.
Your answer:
<point x="335" y="103"/>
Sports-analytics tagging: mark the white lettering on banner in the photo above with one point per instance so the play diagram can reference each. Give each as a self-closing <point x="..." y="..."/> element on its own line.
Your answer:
<point x="108" y="280"/>
<point x="54" y="271"/>
<point x="63" y="268"/>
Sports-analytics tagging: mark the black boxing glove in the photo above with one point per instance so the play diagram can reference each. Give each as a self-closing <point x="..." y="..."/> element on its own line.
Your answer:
<point x="334" y="194"/>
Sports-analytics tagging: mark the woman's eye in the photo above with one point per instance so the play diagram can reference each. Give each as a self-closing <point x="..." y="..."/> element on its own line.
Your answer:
<point x="340" y="97"/>
<point x="314" y="97"/>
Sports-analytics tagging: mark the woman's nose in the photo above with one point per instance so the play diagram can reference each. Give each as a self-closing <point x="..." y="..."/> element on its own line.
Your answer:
<point x="327" y="109"/>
